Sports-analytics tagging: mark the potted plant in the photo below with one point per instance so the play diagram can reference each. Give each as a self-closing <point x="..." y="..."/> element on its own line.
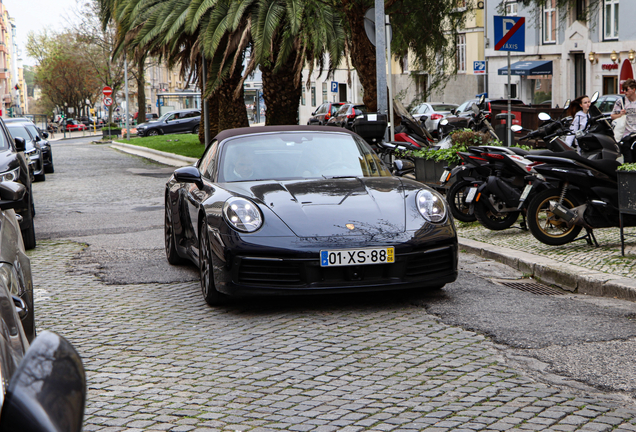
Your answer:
<point x="111" y="129"/>
<point x="626" y="174"/>
<point x="430" y="163"/>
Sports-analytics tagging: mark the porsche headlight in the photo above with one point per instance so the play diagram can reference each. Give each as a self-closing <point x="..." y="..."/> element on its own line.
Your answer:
<point x="9" y="278"/>
<point x="431" y="205"/>
<point x="242" y="214"/>
<point x="12" y="175"/>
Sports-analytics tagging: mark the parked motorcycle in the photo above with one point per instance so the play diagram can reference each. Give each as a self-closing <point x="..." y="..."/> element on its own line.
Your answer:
<point x="410" y="130"/>
<point x="583" y="192"/>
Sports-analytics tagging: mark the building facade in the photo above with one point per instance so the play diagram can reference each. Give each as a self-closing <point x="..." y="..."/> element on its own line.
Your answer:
<point x="585" y="49"/>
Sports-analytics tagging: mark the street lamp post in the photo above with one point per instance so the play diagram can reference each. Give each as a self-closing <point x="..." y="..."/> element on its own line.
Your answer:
<point x="65" y="117"/>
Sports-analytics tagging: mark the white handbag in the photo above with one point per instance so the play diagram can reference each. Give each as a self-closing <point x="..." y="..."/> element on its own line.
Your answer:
<point x="619" y="128"/>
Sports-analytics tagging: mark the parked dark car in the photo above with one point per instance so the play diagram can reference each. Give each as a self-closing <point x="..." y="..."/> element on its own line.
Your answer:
<point x="91" y="122"/>
<point x="605" y="103"/>
<point x="181" y="121"/>
<point x="346" y="114"/>
<point x="41" y="138"/>
<point x="462" y="117"/>
<point x="323" y="113"/>
<point x="33" y="151"/>
<point x="44" y="382"/>
<point x="279" y="210"/>
<point x="14" y="167"/>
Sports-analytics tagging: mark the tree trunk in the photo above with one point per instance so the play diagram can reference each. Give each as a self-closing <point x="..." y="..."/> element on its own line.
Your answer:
<point x="213" y="119"/>
<point x="232" y="113"/>
<point x="281" y="97"/>
<point x="141" y="91"/>
<point x="362" y="58"/>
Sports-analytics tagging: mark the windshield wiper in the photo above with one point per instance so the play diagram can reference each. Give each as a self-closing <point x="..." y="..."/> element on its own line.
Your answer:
<point x="339" y="177"/>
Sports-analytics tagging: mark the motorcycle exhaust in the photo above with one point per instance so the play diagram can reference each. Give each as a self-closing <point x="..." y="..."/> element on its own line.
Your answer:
<point x="570" y="216"/>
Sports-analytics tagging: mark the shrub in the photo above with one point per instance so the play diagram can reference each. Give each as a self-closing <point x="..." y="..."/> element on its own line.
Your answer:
<point x="627" y="167"/>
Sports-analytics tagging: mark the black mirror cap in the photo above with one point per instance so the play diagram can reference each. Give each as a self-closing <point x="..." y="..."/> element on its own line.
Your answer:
<point x="20" y="144"/>
<point x="11" y="193"/>
<point x="45" y="135"/>
<point x="189" y="174"/>
<point x="48" y="390"/>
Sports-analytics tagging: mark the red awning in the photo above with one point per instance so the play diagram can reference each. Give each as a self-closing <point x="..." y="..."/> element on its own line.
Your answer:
<point x="626" y="73"/>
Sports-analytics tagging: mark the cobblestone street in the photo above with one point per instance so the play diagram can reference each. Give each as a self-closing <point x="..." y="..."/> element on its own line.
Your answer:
<point x="159" y="359"/>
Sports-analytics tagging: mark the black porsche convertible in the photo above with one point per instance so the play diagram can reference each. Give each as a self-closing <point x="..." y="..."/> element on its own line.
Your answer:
<point x="304" y="210"/>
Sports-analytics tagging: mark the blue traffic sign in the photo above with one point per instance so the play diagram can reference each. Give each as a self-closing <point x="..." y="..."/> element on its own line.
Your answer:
<point x="334" y="86"/>
<point x="479" y="67"/>
<point x="510" y="33"/>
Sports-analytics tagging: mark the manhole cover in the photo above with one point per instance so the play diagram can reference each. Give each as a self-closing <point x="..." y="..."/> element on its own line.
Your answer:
<point x="531" y="287"/>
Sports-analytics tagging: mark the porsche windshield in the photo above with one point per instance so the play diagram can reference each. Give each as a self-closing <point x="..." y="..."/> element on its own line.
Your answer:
<point x="297" y="155"/>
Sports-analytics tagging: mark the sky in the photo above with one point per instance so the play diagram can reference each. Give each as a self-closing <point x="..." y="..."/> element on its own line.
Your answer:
<point x="36" y="15"/>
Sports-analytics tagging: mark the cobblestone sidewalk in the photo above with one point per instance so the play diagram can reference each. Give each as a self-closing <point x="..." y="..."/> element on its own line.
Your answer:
<point x="159" y="359"/>
<point x="606" y="258"/>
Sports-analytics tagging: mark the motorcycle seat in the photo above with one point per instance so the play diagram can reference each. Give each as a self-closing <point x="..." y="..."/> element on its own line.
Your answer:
<point x="522" y="152"/>
<point x="606" y="166"/>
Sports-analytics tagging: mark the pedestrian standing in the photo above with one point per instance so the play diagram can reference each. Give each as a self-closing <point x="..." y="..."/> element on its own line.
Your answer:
<point x="579" y="109"/>
<point x="627" y="107"/>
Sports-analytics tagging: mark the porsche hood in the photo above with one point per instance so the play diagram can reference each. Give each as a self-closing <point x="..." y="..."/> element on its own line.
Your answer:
<point x="334" y="206"/>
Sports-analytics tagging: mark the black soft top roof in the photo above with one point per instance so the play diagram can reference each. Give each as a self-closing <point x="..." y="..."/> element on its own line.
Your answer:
<point x="229" y="133"/>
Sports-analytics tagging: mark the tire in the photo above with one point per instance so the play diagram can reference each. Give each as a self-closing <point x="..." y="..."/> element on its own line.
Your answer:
<point x="544" y="225"/>
<point x="171" y="247"/>
<point x="456" y="198"/>
<point x="494" y="221"/>
<point x="40" y="177"/>
<point x="49" y="169"/>
<point x="196" y="130"/>
<point x="152" y="132"/>
<point x="28" y="234"/>
<point x="28" y="324"/>
<point x="206" y="270"/>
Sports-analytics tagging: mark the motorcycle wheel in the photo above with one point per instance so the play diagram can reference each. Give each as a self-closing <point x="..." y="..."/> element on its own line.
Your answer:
<point x="494" y="221"/>
<point x="547" y="227"/>
<point x="456" y="197"/>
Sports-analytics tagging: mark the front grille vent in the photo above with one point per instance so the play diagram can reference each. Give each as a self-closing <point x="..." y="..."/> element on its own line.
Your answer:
<point x="258" y="272"/>
<point x="425" y="263"/>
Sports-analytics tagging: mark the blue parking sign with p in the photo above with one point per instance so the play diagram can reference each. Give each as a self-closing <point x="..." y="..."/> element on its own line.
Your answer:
<point x="479" y="67"/>
<point x="334" y="86"/>
<point x="510" y="34"/>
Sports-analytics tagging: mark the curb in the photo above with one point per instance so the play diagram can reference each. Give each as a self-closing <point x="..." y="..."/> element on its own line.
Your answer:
<point x="156" y="155"/>
<point x="569" y="277"/>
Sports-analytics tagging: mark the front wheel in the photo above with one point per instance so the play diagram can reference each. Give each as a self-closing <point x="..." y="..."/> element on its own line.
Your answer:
<point x="206" y="270"/>
<point x="456" y="197"/>
<point x="547" y="227"/>
<point x="196" y="130"/>
<point x="171" y="249"/>
<point x="153" y="132"/>
<point x="494" y="221"/>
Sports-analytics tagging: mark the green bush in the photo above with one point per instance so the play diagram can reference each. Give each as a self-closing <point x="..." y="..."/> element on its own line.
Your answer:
<point x="627" y="167"/>
<point x="108" y="126"/>
<point x="461" y="139"/>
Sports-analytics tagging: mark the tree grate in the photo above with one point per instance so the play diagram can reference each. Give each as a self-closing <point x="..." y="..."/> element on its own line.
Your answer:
<point x="531" y="287"/>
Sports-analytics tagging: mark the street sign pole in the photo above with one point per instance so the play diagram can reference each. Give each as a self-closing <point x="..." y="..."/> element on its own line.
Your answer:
<point x="387" y="28"/>
<point x="206" y="117"/>
<point x="509" y="105"/>
<point x="380" y="59"/>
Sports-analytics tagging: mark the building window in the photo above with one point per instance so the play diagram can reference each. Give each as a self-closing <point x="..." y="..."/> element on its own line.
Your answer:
<point x="302" y="96"/>
<point x="313" y="94"/>
<point x="405" y="63"/>
<point x="581" y="10"/>
<point x="324" y="92"/>
<point x="461" y="53"/>
<point x="610" y="21"/>
<point x="511" y="8"/>
<point x="549" y="22"/>
<point x="513" y="91"/>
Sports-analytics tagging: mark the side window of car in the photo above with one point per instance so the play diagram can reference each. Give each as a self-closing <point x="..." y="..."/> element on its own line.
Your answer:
<point x="206" y="165"/>
<point x="342" y="110"/>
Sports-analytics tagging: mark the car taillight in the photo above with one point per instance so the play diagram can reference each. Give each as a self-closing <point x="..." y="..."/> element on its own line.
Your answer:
<point x="351" y="114"/>
<point x="327" y="116"/>
<point x="436" y="116"/>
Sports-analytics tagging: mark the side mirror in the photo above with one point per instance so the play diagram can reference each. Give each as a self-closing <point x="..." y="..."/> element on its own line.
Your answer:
<point x="20" y="144"/>
<point x="544" y="116"/>
<point x="10" y="194"/>
<point x="47" y="392"/>
<point x="443" y="122"/>
<point x="515" y="128"/>
<point x="566" y="105"/>
<point x="45" y="135"/>
<point x="482" y="98"/>
<point x="189" y="174"/>
<point x="594" y="97"/>
<point x="423" y="119"/>
<point x="37" y="138"/>
<point x="453" y="111"/>
<point x="475" y="108"/>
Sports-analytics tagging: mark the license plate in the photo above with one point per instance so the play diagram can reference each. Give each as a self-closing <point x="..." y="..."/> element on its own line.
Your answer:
<point x="471" y="194"/>
<point x="443" y="177"/>
<point x="348" y="257"/>
<point x="526" y="192"/>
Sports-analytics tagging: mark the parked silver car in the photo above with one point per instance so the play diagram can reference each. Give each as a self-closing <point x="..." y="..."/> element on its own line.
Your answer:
<point x="430" y="113"/>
